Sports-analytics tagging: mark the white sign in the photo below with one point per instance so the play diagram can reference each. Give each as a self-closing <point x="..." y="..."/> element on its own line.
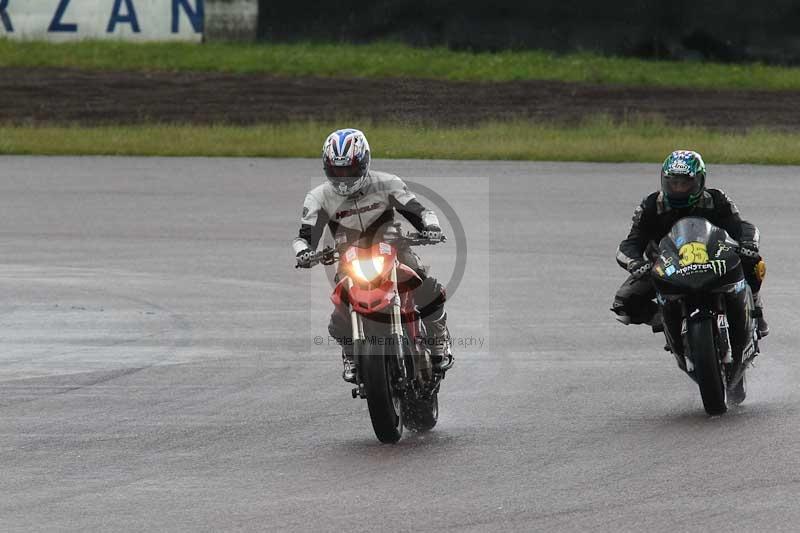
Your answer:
<point x="133" y="20"/>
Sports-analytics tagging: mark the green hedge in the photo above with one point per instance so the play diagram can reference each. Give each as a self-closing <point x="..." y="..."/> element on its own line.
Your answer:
<point x="599" y="139"/>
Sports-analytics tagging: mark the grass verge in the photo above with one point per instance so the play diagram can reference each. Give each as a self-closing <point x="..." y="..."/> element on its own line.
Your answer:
<point x="597" y="140"/>
<point x="386" y="60"/>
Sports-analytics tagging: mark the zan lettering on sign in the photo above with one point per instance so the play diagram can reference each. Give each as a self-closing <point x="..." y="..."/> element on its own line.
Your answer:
<point x="66" y="16"/>
<point x="117" y="17"/>
<point x="56" y="25"/>
<point x="196" y="16"/>
<point x="5" y="20"/>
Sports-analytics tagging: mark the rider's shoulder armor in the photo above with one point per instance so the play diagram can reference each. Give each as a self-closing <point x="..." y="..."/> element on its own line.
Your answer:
<point x="323" y="194"/>
<point x="723" y="201"/>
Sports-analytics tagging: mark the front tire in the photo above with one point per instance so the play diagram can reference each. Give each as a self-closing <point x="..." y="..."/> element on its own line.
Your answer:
<point x="707" y="370"/>
<point x="383" y="400"/>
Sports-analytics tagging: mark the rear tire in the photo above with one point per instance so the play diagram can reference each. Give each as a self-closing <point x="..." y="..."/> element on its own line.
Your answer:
<point x="707" y="370"/>
<point x="383" y="401"/>
<point x="739" y="392"/>
<point x="421" y="414"/>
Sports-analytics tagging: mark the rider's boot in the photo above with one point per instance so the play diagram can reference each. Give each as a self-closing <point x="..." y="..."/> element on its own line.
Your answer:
<point x="349" y="372"/>
<point x="656" y="322"/>
<point x="337" y="329"/>
<point x="758" y="313"/>
<point x="650" y="316"/>
<point x="439" y="342"/>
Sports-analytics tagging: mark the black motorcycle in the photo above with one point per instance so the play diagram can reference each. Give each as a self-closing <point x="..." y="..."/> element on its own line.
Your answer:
<point x="707" y="309"/>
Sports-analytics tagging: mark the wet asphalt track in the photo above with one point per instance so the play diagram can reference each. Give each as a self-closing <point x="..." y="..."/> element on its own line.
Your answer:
<point x="158" y="369"/>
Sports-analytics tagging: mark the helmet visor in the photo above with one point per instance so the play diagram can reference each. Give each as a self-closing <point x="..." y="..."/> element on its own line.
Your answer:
<point x="346" y="174"/>
<point x="681" y="187"/>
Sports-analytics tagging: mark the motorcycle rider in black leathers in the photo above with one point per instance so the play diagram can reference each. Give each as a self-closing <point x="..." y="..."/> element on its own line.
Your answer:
<point x="357" y="203"/>
<point x="683" y="193"/>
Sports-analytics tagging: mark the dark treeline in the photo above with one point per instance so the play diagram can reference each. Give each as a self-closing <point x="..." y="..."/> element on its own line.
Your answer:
<point x="722" y="30"/>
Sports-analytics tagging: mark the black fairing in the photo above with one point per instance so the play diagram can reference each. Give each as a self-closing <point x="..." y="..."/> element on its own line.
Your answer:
<point x="695" y="256"/>
<point x="698" y="269"/>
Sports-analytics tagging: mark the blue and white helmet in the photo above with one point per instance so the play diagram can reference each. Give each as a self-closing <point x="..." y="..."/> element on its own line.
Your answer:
<point x="345" y="158"/>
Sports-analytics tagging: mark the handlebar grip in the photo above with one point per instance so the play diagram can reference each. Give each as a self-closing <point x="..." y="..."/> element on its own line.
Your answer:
<point x="419" y="238"/>
<point x="327" y="256"/>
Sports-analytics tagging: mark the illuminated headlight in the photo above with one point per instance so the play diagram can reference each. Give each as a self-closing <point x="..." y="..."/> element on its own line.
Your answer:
<point x="367" y="270"/>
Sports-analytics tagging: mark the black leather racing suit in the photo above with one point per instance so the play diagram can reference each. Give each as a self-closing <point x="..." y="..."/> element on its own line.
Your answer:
<point x="652" y="220"/>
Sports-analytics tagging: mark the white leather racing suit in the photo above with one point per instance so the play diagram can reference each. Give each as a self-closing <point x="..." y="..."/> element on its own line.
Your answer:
<point x="360" y="214"/>
<point x="363" y="214"/>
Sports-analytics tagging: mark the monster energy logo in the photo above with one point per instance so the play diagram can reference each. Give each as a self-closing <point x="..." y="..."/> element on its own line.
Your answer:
<point x="720" y="267"/>
<point x="722" y="248"/>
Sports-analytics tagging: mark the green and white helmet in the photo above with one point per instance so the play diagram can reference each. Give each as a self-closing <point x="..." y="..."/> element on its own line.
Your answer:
<point x="683" y="178"/>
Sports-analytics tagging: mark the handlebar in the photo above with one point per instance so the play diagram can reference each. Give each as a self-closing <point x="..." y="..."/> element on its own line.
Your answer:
<point x="651" y="252"/>
<point x="328" y="255"/>
<point x="422" y="239"/>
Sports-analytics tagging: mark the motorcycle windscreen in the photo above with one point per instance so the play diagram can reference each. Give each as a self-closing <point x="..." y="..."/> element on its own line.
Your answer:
<point x="692" y="229"/>
<point x="696" y="255"/>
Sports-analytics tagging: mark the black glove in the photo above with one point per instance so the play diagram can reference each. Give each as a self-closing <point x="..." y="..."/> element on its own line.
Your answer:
<point x="432" y="232"/>
<point x="304" y="258"/>
<point x="640" y="268"/>
<point x="748" y="248"/>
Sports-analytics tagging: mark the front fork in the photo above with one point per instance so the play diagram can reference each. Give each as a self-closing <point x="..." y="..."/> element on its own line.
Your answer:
<point x="395" y="327"/>
<point x="735" y="335"/>
<point x="715" y="310"/>
<point x="397" y="330"/>
<point x="358" y="340"/>
<point x="355" y="318"/>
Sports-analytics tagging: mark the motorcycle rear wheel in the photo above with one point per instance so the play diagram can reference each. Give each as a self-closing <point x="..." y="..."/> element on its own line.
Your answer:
<point x="421" y="414"/>
<point x="383" y="400"/>
<point x="739" y="392"/>
<point x="707" y="370"/>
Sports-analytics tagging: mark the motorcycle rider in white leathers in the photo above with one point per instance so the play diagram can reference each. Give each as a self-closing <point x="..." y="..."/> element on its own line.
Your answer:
<point x="357" y="203"/>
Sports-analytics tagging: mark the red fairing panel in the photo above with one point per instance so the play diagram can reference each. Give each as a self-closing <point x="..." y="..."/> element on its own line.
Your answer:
<point x="367" y="299"/>
<point x="336" y="297"/>
<point x="371" y="300"/>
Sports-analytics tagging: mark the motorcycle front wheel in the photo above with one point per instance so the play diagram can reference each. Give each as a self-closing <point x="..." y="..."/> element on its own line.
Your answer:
<point x="383" y="400"/>
<point x="707" y="370"/>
